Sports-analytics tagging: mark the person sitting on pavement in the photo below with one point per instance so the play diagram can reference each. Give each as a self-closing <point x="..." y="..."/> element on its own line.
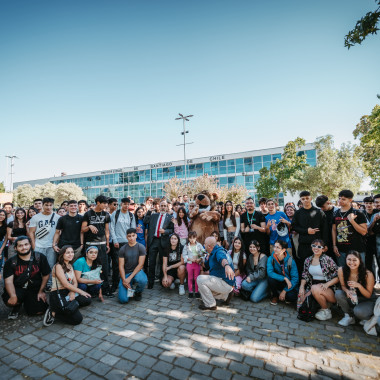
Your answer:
<point x="25" y="278"/>
<point x="256" y="282"/>
<point x="219" y="283"/>
<point x="282" y="275"/>
<point x="173" y="265"/>
<point x="64" y="290"/>
<point x="319" y="276"/>
<point x="87" y="271"/>
<point x="131" y="264"/>
<point x="356" y="298"/>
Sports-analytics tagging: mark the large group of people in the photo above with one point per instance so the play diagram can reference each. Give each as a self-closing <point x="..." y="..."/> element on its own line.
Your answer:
<point x="312" y="255"/>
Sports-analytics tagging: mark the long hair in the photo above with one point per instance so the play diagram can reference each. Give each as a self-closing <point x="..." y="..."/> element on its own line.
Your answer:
<point x="28" y="217"/>
<point x="136" y="217"/>
<point x="178" y="248"/>
<point x="60" y="259"/>
<point x="3" y="227"/>
<point x="179" y="220"/>
<point x="362" y="271"/>
<point x="16" y="223"/>
<point x="241" y="265"/>
<point x="232" y="217"/>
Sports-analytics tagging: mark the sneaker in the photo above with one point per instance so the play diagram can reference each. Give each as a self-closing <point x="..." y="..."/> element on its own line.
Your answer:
<point x="274" y="301"/>
<point x="137" y="296"/>
<point x="203" y="307"/>
<point x="227" y="301"/>
<point x="13" y="314"/>
<point x="150" y="285"/>
<point x="109" y="294"/>
<point x="347" y="320"/>
<point x="323" y="314"/>
<point x="48" y="318"/>
<point x="177" y="281"/>
<point x="181" y="290"/>
<point x="191" y="295"/>
<point x="172" y="286"/>
<point x="197" y="295"/>
<point x="362" y="322"/>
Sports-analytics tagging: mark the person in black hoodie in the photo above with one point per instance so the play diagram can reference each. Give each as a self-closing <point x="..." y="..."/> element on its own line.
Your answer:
<point x="311" y="223"/>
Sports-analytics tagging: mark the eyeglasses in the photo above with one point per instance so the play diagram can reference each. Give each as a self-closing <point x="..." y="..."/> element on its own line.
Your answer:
<point x="317" y="246"/>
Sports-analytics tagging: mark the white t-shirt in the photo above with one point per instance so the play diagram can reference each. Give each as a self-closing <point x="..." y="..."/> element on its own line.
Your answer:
<point x="316" y="272"/>
<point x="40" y="220"/>
<point x="236" y="259"/>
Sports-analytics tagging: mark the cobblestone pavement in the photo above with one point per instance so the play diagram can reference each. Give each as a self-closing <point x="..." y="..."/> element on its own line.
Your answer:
<point x="165" y="336"/>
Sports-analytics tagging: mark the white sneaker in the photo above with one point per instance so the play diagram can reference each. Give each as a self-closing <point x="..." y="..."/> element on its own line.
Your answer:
<point x="172" y="286"/>
<point x="347" y="320"/>
<point x="323" y="314"/>
<point x="182" y="290"/>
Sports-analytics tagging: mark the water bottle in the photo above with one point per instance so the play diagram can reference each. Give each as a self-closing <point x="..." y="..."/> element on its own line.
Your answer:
<point x="354" y="296"/>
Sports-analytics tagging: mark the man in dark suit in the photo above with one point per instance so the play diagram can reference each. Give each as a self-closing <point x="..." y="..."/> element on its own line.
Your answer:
<point x="159" y="230"/>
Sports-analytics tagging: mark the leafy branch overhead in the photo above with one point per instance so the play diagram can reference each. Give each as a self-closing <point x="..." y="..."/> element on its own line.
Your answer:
<point x="365" y="26"/>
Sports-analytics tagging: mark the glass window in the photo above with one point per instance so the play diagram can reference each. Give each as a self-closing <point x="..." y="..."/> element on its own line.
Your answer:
<point x="267" y="158"/>
<point x="231" y="180"/>
<point x="154" y="174"/>
<point x="207" y="167"/>
<point x="223" y="181"/>
<point x="311" y="162"/>
<point x="258" y="166"/>
<point x="311" y="153"/>
<point x="267" y="164"/>
<point x="248" y="166"/>
<point x="258" y="159"/>
<point x="240" y="180"/>
<point x="256" y="177"/>
<point x="222" y="167"/>
<point x="231" y="166"/>
<point x="300" y="153"/>
<point x="239" y="165"/>
<point x="214" y="168"/>
<point x="276" y="156"/>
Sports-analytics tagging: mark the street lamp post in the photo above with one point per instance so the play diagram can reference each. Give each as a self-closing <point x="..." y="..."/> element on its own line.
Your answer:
<point x="184" y="139"/>
<point x="11" y="172"/>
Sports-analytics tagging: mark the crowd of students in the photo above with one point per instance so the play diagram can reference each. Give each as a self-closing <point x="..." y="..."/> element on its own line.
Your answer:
<point x="311" y="255"/>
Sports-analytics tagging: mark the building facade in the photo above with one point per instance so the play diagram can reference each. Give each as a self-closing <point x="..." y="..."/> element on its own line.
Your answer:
<point x="142" y="181"/>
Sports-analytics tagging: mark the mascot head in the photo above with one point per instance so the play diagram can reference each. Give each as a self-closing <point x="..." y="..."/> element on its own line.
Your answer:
<point x="205" y="200"/>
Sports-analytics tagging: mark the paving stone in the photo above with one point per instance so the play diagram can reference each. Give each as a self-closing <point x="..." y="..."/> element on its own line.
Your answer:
<point x="140" y="372"/>
<point x="109" y="359"/>
<point x="101" y="368"/>
<point x="34" y="371"/>
<point x="78" y="373"/>
<point x="131" y="355"/>
<point x="163" y="367"/>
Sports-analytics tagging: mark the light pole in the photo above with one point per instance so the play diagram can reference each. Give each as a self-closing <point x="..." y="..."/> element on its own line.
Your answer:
<point x="184" y="139"/>
<point x="11" y="172"/>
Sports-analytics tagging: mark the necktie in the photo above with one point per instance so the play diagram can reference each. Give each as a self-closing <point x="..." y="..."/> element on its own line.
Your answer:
<point x="159" y="225"/>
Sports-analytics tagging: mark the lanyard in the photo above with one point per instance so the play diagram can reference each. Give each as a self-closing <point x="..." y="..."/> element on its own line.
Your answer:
<point x="250" y="221"/>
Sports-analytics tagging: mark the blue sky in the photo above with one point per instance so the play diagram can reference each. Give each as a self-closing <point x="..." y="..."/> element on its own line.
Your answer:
<point x="93" y="85"/>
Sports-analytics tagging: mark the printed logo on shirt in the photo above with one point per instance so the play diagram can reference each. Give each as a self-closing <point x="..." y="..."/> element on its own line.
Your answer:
<point x="45" y="222"/>
<point x="343" y="231"/>
<point x="98" y="219"/>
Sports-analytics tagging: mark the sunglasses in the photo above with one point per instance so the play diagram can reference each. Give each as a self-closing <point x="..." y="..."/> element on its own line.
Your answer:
<point x="317" y="246"/>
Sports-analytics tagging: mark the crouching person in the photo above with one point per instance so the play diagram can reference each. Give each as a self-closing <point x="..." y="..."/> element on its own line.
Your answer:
<point x="131" y="263"/>
<point x="219" y="283"/>
<point x="25" y="278"/>
<point x="65" y="297"/>
<point x="282" y="275"/>
<point x="87" y="271"/>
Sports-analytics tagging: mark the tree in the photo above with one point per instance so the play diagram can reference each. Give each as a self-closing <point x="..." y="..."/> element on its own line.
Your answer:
<point x="336" y="169"/>
<point x="365" y="26"/>
<point x="24" y="195"/>
<point x="236" y="194"/>
<point x="204" y="182"/>
<point x="67" y="191"/>
<point x="2" y="188"/>
<point x="281" y="174"/>
<point x="174" y="188"/>
<point x="368" y="133"/>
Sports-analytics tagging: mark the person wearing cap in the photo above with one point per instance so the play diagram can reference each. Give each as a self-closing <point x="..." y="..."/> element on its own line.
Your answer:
<point x="277" y="226"/>
<point x="311" y="224"/>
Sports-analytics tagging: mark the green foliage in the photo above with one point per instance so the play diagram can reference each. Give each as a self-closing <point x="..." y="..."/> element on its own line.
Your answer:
<point x="336" y="169"/>
<point x="365" y="26"/>
<point x="368" y="133"/>
<point x="2" y="187"/>
<point x="24" y="195"/>
<point x="282" y="174"/>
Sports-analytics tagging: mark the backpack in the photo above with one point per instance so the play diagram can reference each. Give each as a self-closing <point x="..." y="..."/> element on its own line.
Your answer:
<point x="24" y="279"/>
<point x="289" y="266"/>
<point x="307" y="310"/>
<point x="118" y="214"/>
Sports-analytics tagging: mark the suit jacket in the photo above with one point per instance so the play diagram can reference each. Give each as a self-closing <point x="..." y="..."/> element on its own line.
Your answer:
<point x="166" y="224"/>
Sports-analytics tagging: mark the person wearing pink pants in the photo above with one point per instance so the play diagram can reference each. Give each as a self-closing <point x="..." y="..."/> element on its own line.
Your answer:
<point x="191" y="254"/>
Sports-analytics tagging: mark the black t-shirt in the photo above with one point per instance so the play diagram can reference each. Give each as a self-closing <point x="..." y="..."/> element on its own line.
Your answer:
<point x="256" y="218"/>
<point x="70" y="227"/>
<point x="16" y="232"/>
<point x="347" y="237"/>
<point x="174" y="257"/>
<point x="39" y="268"/>
<point x="98" y="220"/>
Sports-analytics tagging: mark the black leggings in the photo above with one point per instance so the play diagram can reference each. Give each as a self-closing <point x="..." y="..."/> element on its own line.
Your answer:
<point x="71" y="319"/>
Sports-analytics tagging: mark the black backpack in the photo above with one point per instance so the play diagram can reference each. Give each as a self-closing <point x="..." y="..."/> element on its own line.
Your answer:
<point x="307" y="310"/>
<point x="118" y="214"/>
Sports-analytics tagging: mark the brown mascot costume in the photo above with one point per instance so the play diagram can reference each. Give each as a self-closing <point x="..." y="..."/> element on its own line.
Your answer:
<point x="204" y="219"/>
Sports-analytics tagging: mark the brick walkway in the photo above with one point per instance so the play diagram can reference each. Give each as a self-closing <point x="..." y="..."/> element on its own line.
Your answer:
<point x="166" y="336"/>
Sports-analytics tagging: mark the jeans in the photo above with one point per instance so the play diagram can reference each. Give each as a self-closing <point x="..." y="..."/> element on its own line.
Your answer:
<point x="342" y="258"/>
<point x="90" y="289"/>
<point x="278" y="286"/>
<point x="363" y="310"/>
<point x="51" y="256"/>
<point x="140" y="279"/>
<point x="259" y="289"/>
